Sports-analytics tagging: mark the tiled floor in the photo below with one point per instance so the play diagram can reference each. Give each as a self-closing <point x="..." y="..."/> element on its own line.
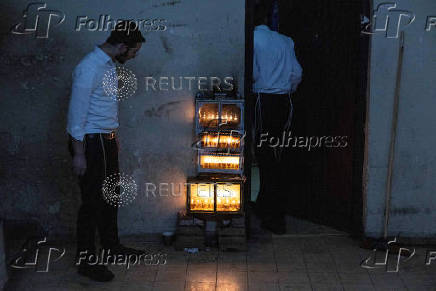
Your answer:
<point x="308" y="257"/>
<point x="292" y="262"/>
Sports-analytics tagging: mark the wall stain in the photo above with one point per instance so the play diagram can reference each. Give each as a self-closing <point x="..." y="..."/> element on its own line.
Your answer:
<point x="168" y="49"/>
<point x="169" y="3"/>
<point x="163" y="110"/>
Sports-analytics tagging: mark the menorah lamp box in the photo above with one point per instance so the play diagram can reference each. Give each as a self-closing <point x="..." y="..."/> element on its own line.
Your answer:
<point x="219" y="114"/>
<point x="215" y="195"/>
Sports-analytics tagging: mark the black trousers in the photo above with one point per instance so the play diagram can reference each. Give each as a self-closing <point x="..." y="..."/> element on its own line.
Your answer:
<point x="272" y="114"/>
<point x="95" y="214"/>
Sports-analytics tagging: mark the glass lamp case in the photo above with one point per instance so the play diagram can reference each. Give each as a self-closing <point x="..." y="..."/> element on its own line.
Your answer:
<point x="219" y="114"/>
<point x="225" y="163"/>
<point x="214" y="196"/>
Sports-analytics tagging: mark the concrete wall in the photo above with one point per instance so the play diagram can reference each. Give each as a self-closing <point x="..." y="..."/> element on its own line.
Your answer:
<point x="203" y="38"/>
<point x="413" y="204"/>
<point x="3" y="272"/>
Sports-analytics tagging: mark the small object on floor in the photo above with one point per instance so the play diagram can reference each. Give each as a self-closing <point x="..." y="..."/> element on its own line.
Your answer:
<point x="191" y="250"/>
<point x="168" y="238"/>
<point x="226" y="222"/>
<point x="97" y="273"/>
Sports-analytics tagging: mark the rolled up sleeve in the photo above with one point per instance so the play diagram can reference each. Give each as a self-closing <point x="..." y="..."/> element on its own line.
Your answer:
<point x="82" y="87"/>
<point x="297" y="70"/>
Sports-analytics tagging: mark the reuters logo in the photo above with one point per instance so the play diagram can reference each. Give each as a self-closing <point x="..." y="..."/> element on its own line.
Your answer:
<point x="120" y="84"/>
<point x="119" y="190"/>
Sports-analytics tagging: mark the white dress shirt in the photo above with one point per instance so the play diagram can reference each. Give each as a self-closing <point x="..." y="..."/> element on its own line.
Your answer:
<point x="275" y="67"/>
<point x="91" y="109"/>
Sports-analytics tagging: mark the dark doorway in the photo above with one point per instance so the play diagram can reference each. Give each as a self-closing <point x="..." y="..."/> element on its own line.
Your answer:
<point x="325" y="183"/>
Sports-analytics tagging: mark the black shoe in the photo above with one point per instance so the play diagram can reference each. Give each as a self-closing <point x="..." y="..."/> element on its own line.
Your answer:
<point x="123" y="250"/>
<point x="276" y="226"/>
<point x="96" y="272"/>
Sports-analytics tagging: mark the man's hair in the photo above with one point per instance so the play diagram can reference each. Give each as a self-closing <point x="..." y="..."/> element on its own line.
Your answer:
<point x="262" y="11"/>
<point x="127" y="32"/>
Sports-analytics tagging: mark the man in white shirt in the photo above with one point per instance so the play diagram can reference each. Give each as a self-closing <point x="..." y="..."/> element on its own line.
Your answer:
<point x="276" y="75"/>
<point x="92" y="126"/>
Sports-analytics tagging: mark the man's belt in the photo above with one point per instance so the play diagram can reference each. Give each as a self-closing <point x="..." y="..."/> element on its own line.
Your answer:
<point x="109" y="136"/>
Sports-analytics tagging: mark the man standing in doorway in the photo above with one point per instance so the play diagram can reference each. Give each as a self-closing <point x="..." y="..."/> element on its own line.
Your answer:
<point x="92" y="127"/>
<point x="276" y="74"/>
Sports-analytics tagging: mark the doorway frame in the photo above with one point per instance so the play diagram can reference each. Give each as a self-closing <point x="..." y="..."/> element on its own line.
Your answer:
<point x="360" y="146"/>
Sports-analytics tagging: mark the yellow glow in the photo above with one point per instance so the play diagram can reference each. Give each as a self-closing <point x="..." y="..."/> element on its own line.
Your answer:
<point x="219" y="162"/>
<point x="221" y="141"/>
<point x="208" y="115"/>
<point x="202" y="196"/>
<point x="228" y="197"/>
<point x="231" y="114"/>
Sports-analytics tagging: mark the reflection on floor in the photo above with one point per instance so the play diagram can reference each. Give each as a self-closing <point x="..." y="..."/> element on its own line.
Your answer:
<point x="306" y="261"/>
<point x="255" y="183"/>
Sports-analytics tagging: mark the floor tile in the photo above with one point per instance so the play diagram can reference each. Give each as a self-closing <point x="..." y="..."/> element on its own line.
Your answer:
<point x="171" y="275"/>
<point x="358" y="287"/>
<point x="204" y="275"/>
<point x="140" y="275"/>
<point x="293" y="278"/>
<point x="388" y="281"/>
<point x="323" y="278"/>
<point x="166" y="286"/>
<point x="327" y="287"/>
<point x="200" y="286"/>
<point x="356" y="279"/>
<point x="128" y="286"/>
<point x="418" y="279"/>
<point x="272" y="263"/>
<point x="263" y="286"/>
<point x="232" y="277"/>
<point x="295" y="287"/>
<point x="319" y="263"/>
<point x="262" y="277"/>
<point x="231" y="287"/>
